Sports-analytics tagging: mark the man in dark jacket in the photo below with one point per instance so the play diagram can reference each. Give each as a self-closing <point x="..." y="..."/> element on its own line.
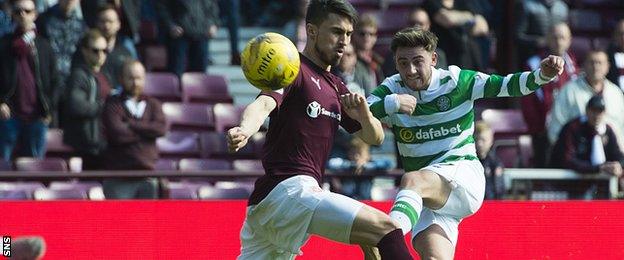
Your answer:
<point x="129" y="15"/>
<point x="588" y="145"/>
<point x="88" y="88"/>
<point x="133" y="122"/>
<point x="188" y="25"/>
<point x="29" y="85"/>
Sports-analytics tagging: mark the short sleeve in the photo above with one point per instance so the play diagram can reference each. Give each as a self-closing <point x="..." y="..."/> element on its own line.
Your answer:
<point x="278" y="95"/>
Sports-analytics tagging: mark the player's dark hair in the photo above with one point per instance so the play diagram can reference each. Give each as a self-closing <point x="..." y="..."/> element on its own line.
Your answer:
<point x="414" y="37"/>
<point x="318" y="10"/>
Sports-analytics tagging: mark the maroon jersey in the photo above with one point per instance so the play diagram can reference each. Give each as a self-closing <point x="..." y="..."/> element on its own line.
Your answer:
<point x="302" y="128"/>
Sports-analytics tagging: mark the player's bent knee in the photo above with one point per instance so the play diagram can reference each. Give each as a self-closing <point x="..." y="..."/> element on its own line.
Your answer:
<point x="415" y="180"/>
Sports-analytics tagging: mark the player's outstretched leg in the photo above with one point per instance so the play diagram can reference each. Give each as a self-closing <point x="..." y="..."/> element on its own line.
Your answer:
<point x="346" y="220"/>
<point x="418" y="188"/>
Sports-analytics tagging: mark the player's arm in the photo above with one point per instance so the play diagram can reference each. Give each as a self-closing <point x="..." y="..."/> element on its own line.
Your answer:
<point x="383" y="102"/>
<point x="355" y="106"/>
<point x="512" y="85"/>
<point x="253" y="117"/>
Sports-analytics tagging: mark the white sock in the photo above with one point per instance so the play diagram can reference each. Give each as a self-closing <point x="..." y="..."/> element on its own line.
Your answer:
<point x="406" y="209"/>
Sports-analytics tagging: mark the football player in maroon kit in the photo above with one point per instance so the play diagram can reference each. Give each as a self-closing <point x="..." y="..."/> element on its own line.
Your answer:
<point x="287" y="204"/>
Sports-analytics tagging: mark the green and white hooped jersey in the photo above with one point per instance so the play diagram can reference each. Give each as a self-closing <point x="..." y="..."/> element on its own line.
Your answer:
<point x="441" y="127"/>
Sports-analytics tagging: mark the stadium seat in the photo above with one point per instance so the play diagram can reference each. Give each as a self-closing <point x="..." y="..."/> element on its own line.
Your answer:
<point x="525" y="143"/>
<point x="390" y="21"/>
<point x="166" y="164"/>
<point x="155" y="58"/>
<point x="247" y="165"/>
<point x="178" y="144"/>
<point x="12" y="194"/>
<point x="507" y="123"/>
<point x="5" y="166"/>
<point x="226" y="116"/>
<point x="148" y="31"/>
<point x="46" y="164"/>
<point x="214" y="145"/>
<point x="163" y="86"/>
<point x="247" y="184"/>
<point x="182" y="190"/>
<point x="65" y="194"/>
<point x="17" y="190"/>
<point x="182" y="116"/>
<point x="54" y="144"/>
<point x="508" y="151"/>
<point x="93" y="189"/>
<point x="201" y="87"/>
<point x="209" y="192"/>
<point x="193" y="164"/>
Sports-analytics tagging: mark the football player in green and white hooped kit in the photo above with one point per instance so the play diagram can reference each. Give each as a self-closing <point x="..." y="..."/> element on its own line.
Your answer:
<point x="431" y="112"/>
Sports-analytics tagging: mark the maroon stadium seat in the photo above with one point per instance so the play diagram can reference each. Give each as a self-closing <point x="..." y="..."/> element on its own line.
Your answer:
<point x="390" y="21"/>
<point x="214" y="145"/>
<point x="183" y="190"/>
<point x="201" y="87"/>
<point x="506" y="123"/>
<point x="508" y="151"/>
<point x="46" y="164"/>
<point x="14" y="194"/>
<point x="15" y="190"/>
<point x="166" y="164"/>
<point x="65" y="194"/>
<point x="54" y="144"/>
<point x="178" y="144"/>
<point x="193" y="164"/>
<point x="247" y="165"/>
<point x="209" y="192"/>
<point x="163" y="86"/>
<point x="181" y="116"/>
<point x="155" y="58"/>
<point x="227" y="116"/>
<point x="93" y="189"/>
<point x="5" y="166"/>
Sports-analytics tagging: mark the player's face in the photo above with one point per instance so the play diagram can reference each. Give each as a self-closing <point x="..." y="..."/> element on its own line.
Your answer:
<point x="133" y="79"/>
<point x="331" y="38"/>
<point x="596" y="66"/>
<point x="414" y="65"/>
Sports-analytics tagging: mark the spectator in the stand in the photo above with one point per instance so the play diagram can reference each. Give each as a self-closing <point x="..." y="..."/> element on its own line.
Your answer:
<point x="456" y="23"/>
<point x="230" y="13"/>
<point x="493" y="167"/>
<point x="417" y="17"/>
<point x="188" y="25"/>
<point x="355" y="159"/>
<point x="368" y="73"/>
<point x="129" y="15"/>
<point x="346" y="70"/>
<point x="533" y="20"/>
<point x="28" y="248"/>
<point x="109" y="24"/>
<point x="6" y="25"/>
<point x="63" y="28"/>
<point x="133" y="121"/>
<point x="29" y="85"/>
<point x="588" y="144"/>
<point x="87" y="89"/>
<point x="571" y="100"/>
<point x="536" y="106"/>
<point x="295" y="29"/>
<point x="616" y="55"/>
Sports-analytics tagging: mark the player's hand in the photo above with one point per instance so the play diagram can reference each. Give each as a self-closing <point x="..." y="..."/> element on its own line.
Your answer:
<point x="613" y="168"/>
<point x="236" y="139"/>
<point x="407" y="103"/>
<point x="552" y="66"/>
<point x="355" y="106"/>
<point x="5" y="111"/>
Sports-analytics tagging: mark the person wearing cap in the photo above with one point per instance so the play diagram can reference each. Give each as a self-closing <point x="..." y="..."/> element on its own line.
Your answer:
<point x="588" y="144"/>
<point x="571" y="101"/>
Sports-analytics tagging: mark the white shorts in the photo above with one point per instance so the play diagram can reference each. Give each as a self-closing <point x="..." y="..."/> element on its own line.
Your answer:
<point x="468" y="189"/>
<point x="278" y="226"/>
